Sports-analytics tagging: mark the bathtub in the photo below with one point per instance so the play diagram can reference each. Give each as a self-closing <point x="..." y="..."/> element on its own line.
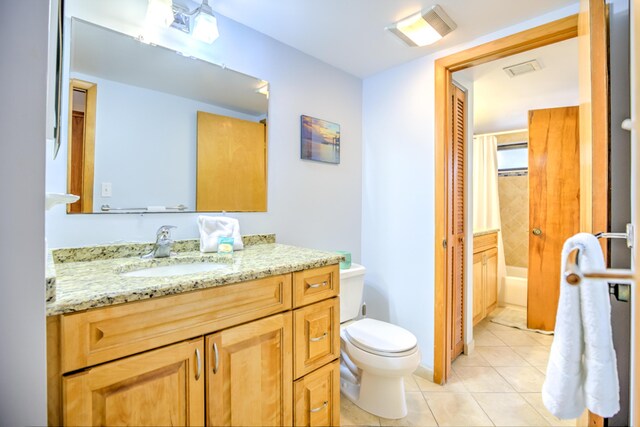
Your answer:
<point x="515" y="286"/>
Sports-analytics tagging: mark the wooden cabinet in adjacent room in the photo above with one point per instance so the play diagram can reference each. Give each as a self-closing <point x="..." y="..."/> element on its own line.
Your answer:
<point x="485" y="275"/>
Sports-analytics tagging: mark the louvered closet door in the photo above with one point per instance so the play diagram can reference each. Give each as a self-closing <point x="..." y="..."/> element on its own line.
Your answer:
<point x="457" y="205"/>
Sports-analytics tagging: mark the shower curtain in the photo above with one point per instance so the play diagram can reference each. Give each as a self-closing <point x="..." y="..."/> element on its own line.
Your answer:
<point x="486" y="201"/>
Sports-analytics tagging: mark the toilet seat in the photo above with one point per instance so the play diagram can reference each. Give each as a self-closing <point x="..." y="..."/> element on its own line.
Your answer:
<point x="381" y="338"/>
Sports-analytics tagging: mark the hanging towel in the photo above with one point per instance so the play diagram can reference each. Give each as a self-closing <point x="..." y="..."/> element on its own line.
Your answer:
<point x="582" y="369"/>
<point x="213" y="227"/>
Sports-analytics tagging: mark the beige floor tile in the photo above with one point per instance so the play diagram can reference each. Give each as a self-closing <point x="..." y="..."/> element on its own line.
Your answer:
<point x="473" y="359"/>
<point x="542" y="368"/>
<point x="453" y="385"/>
<point x="515" y="337"/>
<point x="537" y="355"/>
<point x="352" y="415"/>
<point x="419" y="413"/>
<point x="486" y="339"/>
<point x="483" y="379"/>
<point x="410" y="383"/>
<point x="490" y="326"/>
<point x="535" y="400"/>
<point x="523" y="379"/>
<point x="543" y="339"/>
<point x="501" y="356"/>
<point x="456" y="409"/>
<point x="509" y="409"/>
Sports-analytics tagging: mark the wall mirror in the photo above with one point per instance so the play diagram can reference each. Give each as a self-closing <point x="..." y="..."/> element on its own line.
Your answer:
<point x="151" y="130"/>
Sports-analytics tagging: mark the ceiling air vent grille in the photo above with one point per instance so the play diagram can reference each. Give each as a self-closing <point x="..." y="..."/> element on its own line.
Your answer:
<point x="522" y="68"/>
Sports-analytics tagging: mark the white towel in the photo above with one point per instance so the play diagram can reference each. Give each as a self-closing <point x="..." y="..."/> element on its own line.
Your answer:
<point x="213" y="227"/>
<point x="582" y="363"/>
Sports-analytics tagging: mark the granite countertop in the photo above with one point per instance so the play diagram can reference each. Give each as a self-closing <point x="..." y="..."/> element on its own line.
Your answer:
<point x="485" y="232"/>
<point x="81" y="285"/>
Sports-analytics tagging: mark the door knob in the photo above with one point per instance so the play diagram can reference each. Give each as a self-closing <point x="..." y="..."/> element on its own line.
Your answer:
<point x="537" y="232"/>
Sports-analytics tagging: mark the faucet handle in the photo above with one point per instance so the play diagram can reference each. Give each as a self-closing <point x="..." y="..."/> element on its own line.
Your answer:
<point x="165" y="231"/>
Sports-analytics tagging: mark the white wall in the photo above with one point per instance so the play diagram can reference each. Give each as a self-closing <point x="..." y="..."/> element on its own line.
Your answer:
<point x="398" y="238"/>
<point x="23" y="79"/>
<point x="309" y="203"/>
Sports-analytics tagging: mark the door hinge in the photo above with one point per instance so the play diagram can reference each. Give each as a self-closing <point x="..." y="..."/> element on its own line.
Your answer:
<point x="444" y="243"/>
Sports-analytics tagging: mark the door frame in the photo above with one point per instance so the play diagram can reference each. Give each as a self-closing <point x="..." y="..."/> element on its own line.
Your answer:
<point x="543" y="35"/>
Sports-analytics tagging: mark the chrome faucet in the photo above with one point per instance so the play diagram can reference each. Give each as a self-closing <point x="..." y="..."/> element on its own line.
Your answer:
<point x="164" y="243"/>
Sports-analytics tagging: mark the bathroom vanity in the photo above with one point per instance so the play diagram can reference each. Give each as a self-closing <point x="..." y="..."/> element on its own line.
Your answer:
<point x="485" y="274"/>
<point x="253" y="342"/>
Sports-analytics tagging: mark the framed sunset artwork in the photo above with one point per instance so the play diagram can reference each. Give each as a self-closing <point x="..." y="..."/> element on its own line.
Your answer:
<point x="319" y="140"/>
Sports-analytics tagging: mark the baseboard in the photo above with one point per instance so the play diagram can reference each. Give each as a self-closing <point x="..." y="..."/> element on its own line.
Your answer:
<point x="469" y="347"/>
<point x="424" y="372"/>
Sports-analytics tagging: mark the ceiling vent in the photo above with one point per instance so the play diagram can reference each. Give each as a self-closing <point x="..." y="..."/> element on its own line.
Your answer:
<point x="522" y="68"/>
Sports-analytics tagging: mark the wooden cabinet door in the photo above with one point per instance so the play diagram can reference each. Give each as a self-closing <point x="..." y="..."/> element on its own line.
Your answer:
<point x="478" y="287"/>
<point x="159" y="387"/>
<point x="490" y="280"/>
<point x="317" y="397"/>
<point x="249" y="374"/>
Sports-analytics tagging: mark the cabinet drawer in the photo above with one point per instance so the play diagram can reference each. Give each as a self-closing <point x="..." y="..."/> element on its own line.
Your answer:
<point x="104" y="334"/>
<point x="315" y="285"/>
<point x="484" y="242"/>
<point x="317" y="397"/>
<point x="316" y="330"/>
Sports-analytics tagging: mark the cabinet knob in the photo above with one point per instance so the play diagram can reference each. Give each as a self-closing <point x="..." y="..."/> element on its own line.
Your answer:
<point x="537" y="232"/>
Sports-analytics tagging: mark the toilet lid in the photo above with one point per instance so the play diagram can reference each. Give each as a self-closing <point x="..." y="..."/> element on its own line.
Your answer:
<point x="371" y="334"/>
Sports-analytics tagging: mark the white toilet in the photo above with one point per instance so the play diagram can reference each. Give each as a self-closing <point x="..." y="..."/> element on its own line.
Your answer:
<point x="375" y="355"/>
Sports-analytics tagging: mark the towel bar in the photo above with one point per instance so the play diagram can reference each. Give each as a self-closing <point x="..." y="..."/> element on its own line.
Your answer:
<point x="573" y="275"/>
<point x="628" y="235"/>
<point x="107" y="208"/>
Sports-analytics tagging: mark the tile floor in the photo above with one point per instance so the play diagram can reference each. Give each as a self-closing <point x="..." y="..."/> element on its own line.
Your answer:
<point x="499" y="384"/>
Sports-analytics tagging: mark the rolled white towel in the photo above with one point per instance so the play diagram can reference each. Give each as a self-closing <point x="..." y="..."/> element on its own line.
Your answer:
<point x="213" y="227"/>
<point x="156" y="208"/>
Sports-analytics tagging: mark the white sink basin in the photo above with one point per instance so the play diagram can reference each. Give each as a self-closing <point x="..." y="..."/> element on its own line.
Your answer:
<point x="175" y="269"/>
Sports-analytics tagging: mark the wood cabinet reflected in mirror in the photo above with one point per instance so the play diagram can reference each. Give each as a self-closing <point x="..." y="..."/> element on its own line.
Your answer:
<point x="140" y="148"/>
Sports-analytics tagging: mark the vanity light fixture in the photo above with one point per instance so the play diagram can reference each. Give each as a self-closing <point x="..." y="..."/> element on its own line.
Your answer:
<point x="205" y="27"/>
<point x="264" y="89"/>
<point x="160" y="12"/>
<point x="423" y="28"/>
<point x="199" y="22"/>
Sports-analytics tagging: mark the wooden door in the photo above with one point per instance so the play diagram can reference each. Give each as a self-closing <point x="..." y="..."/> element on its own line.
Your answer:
<point x="490" y="280"/>
<point x="457" y="227"/>
<point x="231" y="165"/>
<point x="554" y="206"/>
<point x="317" y="397"/>
<point x="249" y="374"/>
<point x="478" y="287"/>
<point x="159" y="387"/>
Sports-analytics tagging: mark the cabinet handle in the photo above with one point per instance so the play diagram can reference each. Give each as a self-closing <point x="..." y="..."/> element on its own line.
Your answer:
<point x="320" y="408"/>
<point x="320" y="338"/>
<point x="215" y="358"/>
<point x="198" y="364"/>
<point x="318" y="285"/>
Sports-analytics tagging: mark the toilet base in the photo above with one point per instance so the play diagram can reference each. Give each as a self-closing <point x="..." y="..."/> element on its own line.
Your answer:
<point x="379" y="395"/>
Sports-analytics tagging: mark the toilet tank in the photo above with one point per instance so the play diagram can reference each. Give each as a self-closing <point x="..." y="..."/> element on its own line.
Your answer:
<point x="351" y="289"/>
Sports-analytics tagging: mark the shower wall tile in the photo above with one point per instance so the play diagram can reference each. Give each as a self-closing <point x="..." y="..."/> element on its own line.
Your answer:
<point x="514" y="216"/>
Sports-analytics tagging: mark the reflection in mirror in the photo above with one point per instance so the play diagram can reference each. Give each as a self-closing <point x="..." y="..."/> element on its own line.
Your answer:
<point x="143" y="145"/>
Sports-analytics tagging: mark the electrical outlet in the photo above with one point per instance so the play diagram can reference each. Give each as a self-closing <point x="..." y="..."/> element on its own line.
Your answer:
<point x="106" y="189"/>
